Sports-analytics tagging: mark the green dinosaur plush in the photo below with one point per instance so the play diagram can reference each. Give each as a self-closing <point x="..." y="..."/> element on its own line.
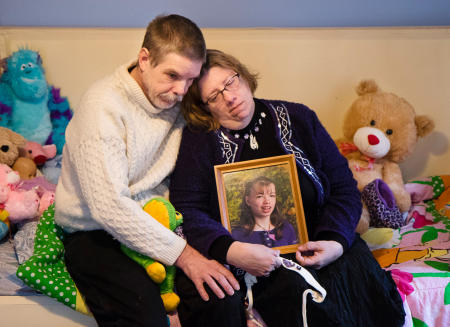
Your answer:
<point x="163" y="211"/>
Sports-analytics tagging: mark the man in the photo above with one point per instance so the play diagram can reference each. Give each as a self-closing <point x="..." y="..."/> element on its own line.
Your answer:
<point x="120" y="147"/>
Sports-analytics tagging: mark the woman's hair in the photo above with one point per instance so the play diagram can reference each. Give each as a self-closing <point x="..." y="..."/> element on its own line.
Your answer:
<point x="194" y="110"/>
<point x="247" y="220"/>
<point x="174" y="33"/>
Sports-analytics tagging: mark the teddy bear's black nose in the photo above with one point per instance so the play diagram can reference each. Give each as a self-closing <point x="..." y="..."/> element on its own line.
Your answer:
<point x="5" y="148"/>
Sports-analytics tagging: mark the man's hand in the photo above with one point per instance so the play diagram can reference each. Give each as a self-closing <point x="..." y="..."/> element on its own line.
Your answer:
<point x="201" y="270"/>
<point x="255" y="259"/>
<point x="318" y="254"/>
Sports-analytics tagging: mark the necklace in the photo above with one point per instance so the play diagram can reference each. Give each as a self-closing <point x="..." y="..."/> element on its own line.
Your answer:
<point x="268" y="236"/>
<point x="255" y="129"/>
<point x="264" y="229"/>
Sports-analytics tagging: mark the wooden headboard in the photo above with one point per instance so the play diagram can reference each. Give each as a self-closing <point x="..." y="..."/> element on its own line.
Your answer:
<point x="318" y="67"/>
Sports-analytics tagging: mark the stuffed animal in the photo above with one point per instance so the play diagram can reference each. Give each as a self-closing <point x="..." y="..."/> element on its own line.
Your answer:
<point x="52" y="169"/>
<point x="380" y="130"/>
<point x="9" y="181"/>
<point x="45" y="157"/>
<point x="4" y="224"/>
<point x="30" y="106"/>
<point x="37" y="152"/>
<point x="163" y="211"/>
<point x="44" y="189"/>
<point x="10" y="142"/>
<point x="22" y="200"/>
<point x="25" y="167"/>
<point x="20" y="204"/>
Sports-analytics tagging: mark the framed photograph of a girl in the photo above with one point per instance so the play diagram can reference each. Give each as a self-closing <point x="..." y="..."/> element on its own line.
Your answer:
<point x="260" y="202"/>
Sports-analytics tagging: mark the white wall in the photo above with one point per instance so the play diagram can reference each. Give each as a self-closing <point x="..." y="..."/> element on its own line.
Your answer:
<point x="318" y="67"/>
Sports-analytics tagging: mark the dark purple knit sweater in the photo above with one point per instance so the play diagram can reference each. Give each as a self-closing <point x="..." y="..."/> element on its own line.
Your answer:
<point x="193" y="189"/>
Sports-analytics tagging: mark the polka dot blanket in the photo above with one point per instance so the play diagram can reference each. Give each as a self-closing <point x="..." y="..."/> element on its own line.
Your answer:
<point x="45" y="270"/>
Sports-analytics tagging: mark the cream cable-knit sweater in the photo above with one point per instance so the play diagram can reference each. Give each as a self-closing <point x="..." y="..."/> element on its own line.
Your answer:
<point x="119" y="151"/>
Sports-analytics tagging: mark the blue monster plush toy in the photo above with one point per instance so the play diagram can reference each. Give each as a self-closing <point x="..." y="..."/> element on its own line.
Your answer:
<point x="28" y="105"/>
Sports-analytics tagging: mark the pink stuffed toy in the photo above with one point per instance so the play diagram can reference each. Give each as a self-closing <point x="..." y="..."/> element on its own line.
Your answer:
<point x="20" y="204"/>
<point x="44" y="189"/>
<point x="45" y="201"/>
<point x="38" y="153"/>
<point x="8" y="181"/>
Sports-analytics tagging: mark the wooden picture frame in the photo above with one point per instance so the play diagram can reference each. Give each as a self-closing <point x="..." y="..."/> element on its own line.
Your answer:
<point x="281" y="171"/>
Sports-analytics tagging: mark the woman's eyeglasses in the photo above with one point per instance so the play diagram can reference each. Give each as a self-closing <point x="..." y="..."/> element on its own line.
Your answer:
<point x="231" y="85"/>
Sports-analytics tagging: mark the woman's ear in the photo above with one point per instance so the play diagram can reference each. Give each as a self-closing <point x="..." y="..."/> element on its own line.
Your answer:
<point x="246" y="200"/>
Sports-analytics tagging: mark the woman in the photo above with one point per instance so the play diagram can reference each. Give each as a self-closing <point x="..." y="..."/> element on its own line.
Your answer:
<point x="226" y="124"/>
<point x="260" y="220"/>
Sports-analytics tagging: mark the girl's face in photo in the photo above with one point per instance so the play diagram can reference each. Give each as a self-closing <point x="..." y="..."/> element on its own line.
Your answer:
<point x="261" y="200"/>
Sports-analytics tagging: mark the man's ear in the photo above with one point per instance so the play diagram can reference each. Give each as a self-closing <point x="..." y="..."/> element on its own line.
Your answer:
<point x="143" y="58"/>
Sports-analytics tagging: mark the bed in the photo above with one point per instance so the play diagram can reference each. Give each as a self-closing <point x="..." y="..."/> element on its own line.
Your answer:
<point x="418" y="254"/>
<point x="20" y="305"/>
<point x="296" y="65"/>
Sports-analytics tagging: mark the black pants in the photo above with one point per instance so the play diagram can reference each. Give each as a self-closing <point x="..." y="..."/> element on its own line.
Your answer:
<point x="194" y="312"/>
<point x="117" y="290"/>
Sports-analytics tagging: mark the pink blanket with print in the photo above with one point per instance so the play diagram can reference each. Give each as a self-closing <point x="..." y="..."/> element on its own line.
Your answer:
<point x="417" y="254"/>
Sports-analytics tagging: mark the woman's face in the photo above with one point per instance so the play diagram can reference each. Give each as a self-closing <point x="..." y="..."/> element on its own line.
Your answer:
<point x="261" y="200"/>
<point x="234" y="106"/>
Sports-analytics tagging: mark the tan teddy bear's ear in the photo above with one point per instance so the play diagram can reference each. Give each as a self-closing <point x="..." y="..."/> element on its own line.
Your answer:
<point x="366" y="86"/>
<point x="424" y="124"/>
<point x="17" y="139"/>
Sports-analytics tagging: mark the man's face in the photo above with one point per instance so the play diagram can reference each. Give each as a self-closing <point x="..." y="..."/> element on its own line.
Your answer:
<point x="166" y="83"/>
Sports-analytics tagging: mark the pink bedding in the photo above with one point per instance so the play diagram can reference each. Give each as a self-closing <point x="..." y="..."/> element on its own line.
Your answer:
<point x="418" y="253"/>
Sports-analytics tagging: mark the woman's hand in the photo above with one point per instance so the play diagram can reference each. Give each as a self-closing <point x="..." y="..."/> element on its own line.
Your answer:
<point x="255" y="259"/>
<point x="318" y="254"/>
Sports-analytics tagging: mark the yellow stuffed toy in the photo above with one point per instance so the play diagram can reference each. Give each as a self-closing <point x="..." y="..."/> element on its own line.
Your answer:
<point x="4" y="223"/>
<point x="163" y="211"/>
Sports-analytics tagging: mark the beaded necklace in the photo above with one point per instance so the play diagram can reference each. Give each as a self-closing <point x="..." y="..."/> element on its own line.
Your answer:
<point x="249" y="133"/>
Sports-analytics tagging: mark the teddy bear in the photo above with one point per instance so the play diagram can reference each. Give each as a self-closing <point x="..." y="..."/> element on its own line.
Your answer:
<point x="24" y="156"/>
<point x="10" y="143"/>
<point x="380" y="131"/>
<point x="28" y="104"/>
<point x="163" y="211"/>
<point x="11" y="147"/>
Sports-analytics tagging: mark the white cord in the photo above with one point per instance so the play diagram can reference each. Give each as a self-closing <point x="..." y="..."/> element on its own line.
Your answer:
<point x="249" y="281"/>
<point x="317" y="296"/>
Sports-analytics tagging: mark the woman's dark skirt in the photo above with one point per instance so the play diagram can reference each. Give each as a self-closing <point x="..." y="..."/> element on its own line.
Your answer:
<point x="359" y="293"/>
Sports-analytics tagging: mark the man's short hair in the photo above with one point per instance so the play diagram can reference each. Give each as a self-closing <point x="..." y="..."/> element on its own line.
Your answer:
<point x="174" y="33"/>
